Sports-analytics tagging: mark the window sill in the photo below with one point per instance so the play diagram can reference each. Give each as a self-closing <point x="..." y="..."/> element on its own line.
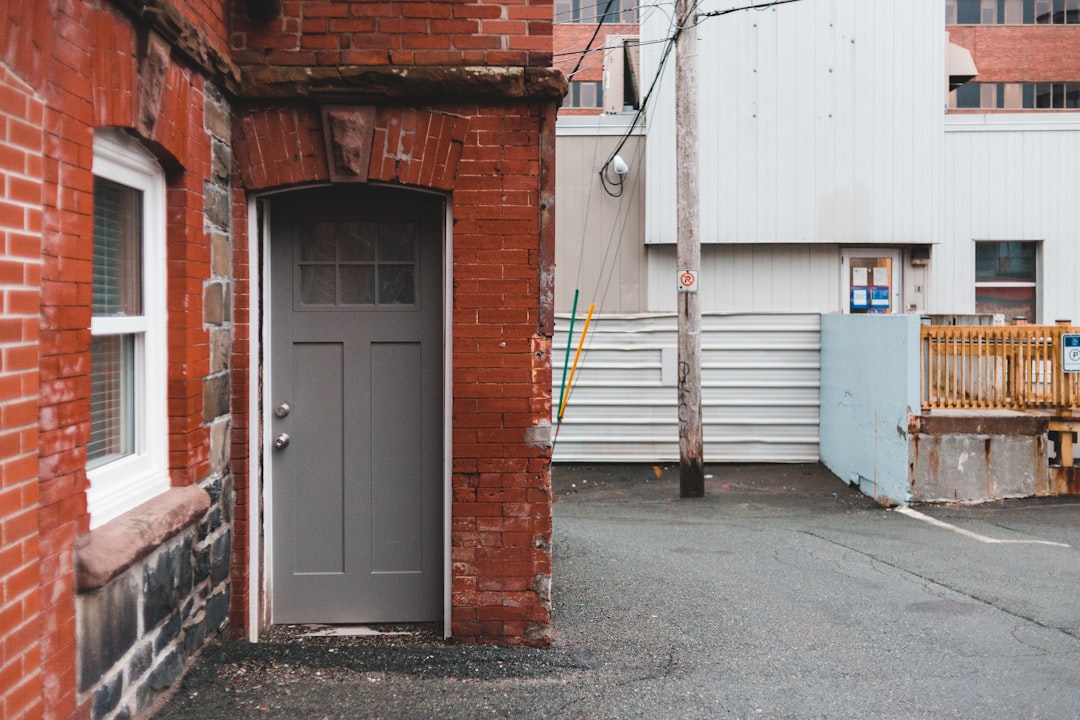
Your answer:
<point x="120" y="543"/>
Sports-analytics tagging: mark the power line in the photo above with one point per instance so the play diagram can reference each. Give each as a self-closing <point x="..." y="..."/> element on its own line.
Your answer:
<point x="758" y="6"/>
<point x="601" y="48"/>
<point x="596" y="32"/>
<point x="663" y="60"/>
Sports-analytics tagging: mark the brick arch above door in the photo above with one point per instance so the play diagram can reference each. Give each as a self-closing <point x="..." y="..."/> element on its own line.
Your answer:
<point x="282" y="146"/>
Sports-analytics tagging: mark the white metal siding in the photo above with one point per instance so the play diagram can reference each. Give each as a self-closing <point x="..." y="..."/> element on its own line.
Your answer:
<point x="760" y="389"/>
<point x="1011" y="177"/>
<point x="820" y="123"/>
<point x="753" y="278"/>
<point x="599" y="246"/>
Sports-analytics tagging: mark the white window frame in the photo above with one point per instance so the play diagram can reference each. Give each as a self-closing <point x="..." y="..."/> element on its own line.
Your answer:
<point x="119" y="485"/>
<point x="1035" y="284"/>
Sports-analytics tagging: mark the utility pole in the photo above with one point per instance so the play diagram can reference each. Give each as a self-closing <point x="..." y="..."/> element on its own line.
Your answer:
<point x="688" y="253"/>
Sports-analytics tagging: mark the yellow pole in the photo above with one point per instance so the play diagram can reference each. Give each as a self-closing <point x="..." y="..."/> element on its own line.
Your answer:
<point x="577" y="355"/>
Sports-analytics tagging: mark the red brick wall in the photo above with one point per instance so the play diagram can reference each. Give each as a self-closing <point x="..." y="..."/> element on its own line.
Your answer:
<point x="501" y="513"/>
<point x="436" y="32"/>
<point x="1022" y="53"/>
<point x="65" y="340"/>
<point x="92" y="81"/>
<point x="27" y="38"/>
<point x="21" y="120"/>
<point x="501" y="508"/>
<point x="210" y="16"/>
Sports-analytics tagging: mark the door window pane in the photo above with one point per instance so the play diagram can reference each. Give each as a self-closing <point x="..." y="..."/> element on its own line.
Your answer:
<point x="397" y="241"/>
<point x="322" y="245"/>
<point x="372" y="262"/>
<point x="871" y="285"/>
<point x="318" y="284"/>
<point x="358" y="285"/>
<point x="358" y="241"/>
<point x="396" y="285"/>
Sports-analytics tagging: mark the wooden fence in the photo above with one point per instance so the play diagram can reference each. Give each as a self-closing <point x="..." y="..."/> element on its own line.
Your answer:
<point x="1017" y="367"/>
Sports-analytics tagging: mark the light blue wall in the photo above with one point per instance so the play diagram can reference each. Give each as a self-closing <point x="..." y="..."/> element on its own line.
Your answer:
<point x="869" y="384"/>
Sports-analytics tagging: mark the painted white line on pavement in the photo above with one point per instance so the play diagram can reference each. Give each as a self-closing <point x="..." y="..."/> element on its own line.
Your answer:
<point x="973" y="535"/>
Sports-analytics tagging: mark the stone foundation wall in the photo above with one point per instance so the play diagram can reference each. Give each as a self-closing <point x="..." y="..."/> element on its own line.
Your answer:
<point x="139" y="629"/>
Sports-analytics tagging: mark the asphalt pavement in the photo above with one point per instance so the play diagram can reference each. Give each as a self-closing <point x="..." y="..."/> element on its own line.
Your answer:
<point x="781" y="594"/>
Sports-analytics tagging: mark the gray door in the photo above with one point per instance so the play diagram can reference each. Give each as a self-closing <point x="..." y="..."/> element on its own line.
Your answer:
<point x="356" y="405"/>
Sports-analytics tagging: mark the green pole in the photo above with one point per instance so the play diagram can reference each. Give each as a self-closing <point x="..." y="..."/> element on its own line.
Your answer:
<point x="566" y="360"/>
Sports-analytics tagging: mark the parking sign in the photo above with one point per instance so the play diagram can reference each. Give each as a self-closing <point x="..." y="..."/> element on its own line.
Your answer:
<point x="1070" y="352"/>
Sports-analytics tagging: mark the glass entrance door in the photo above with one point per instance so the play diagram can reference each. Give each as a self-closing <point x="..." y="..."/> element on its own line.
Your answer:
<point x="871" y="281"/>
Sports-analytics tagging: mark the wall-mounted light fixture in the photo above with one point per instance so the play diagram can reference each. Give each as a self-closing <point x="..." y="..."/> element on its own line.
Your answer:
<point x="613" y="186"/>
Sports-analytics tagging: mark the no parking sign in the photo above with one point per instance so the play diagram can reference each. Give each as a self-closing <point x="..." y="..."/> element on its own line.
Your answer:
<point x="687" y="281"/>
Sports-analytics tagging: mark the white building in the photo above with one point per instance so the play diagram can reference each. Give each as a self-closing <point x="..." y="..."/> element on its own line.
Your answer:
<point x="832" y="179"/>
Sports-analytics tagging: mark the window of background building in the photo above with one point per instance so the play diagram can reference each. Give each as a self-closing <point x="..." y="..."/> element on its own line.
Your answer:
<point x="585" y="94"/>
<point x="127" y="454"/>
<point x="589" y="11"/>
<point x="1012" y="12"/>
<point x="1016" y="96"/>
<point x="1006" y="277"/>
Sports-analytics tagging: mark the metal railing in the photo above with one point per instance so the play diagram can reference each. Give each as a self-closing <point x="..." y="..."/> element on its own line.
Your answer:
<point x="1015" y="367"/>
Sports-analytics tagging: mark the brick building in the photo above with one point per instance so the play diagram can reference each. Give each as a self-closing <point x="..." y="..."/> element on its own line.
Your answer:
<point x="594" y="40"/>
<point x="1025" y="52"/>
<point x="276" y="285"/>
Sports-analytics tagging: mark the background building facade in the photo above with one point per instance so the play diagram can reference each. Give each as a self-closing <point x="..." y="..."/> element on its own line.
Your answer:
<point x="833" y="157"/>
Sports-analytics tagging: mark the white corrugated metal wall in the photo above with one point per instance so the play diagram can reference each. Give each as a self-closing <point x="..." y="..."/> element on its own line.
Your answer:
<point x="599" y="246"/>
<point x="1011" y="177"/>
<point x="760" y="389"/>
<point x="753" y="278"/>
<point x="821" y="122"/>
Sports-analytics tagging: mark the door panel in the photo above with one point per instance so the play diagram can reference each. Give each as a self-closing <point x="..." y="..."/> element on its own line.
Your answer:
<point x="317" y="500"/>
<point x="396" y="380"/>
<point x="356" y="352"/>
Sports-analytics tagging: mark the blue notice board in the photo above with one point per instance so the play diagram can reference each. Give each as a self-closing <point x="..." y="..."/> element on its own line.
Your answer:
<point x="879" y="296"/>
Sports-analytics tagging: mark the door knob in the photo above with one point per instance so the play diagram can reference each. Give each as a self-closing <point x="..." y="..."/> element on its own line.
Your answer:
<point x="281" y="441"/>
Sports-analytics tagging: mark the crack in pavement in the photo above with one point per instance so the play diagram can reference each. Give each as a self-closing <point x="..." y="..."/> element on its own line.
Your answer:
<point x="931" y="582"/>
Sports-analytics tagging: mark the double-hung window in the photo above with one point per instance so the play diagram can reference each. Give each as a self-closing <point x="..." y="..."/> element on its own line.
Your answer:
<point x="1006" y="279"/>
<point x="126" y="458"/>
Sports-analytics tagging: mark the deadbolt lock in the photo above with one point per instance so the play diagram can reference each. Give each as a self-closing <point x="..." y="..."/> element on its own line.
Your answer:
<point x="282" y="409"/>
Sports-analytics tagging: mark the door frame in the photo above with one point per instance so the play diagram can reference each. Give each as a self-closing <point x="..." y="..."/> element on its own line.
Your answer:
<point x="895" y="253"/>
<point x="260" y="476"/>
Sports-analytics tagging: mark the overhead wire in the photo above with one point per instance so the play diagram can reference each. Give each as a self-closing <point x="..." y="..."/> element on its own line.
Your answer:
<point x="642" y="106"/>
<point x="583" y="53"/>
<point x="677" y="29"/>
<point x="596" y="31"/>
